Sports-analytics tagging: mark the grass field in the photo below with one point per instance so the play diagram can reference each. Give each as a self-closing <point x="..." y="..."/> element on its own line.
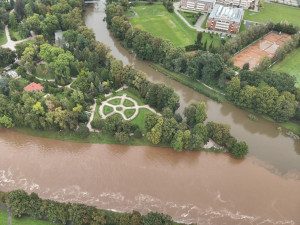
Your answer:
<point x="160" y="23"/>
<point x="3" y="217"/>
<point x="129" y="112"/>
<point x="290" y="65"/>
<point x="128" y="103"/>
<point x="115" y="101"/>
<point x="3" y="38"/>
<point x="14" y="35"/>
<point x="140" y="121"/>
<point x="203" y="25"/>
<point x="276" y="13"/>
<point x="42" y="72"/>
<point x="28" y="221"/>
<point x="107" y="110"/>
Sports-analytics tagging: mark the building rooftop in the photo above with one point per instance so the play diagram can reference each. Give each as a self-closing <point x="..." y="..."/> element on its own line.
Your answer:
<point x="229" y="13"/>
<point x="33" y="87"/>
<point x="209" y="1"/>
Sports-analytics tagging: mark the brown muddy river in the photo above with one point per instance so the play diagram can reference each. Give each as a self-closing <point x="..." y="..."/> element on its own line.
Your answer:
<point x="199" y="187"/>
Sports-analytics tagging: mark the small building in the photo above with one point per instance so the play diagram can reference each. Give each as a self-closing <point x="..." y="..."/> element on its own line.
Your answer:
<point x="198" y="5"/>
<point x="225" y="19"/>
<point x="34" y="87"/>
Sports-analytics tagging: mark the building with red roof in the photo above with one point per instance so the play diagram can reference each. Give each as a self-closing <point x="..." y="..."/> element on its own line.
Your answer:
<point x="34" y="87"/>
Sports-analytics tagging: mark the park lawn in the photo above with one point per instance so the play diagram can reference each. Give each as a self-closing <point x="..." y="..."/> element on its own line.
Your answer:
<point x="192" y="18"/>
<point x="242" y="27"/>
<point x="42" y="72"/>
<point x="290" y="64"/>
<point x="129" y="112"/>
<point x="23" y="82"/>
<point x="140" y="119"/>
<point x="29" y="221"/>
<point x="3" y="217"/>
<point x="96" y="113"/>
<point x="275" y="13"/>
<point x="128" y="103"/>
<point x="3" y="38"/>
<point x="106" y="110"/>
<point x="160" y="23"/>
<point x="211" y="38"/>
<point x="115" y="101"/>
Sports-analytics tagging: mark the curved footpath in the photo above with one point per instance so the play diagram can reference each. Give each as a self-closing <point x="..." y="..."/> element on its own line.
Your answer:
<point x="12" y="44"/>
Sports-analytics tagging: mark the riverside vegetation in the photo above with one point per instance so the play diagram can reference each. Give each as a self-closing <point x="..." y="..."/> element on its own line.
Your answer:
<point x="82" y="72"/>
<point x="273" y="94"/>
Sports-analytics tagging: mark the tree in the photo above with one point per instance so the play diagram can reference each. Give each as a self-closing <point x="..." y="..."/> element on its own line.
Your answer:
<point x="150" y="120"/>
<point x="177" y="142"/>
<point x="154" y="136"/>
<point x="83" y="131"/>
<point x="246" y="66"/>
<point x="6" y="121"/>
<point x="157" y="219"/>
<point x="49" y="25"/>
<point x="12" y="21"/>
<point x="233" y="89"/>
<point x="19" y="9"/>
<point x="18" y="202"/>
<point x="220" y="133"/>
<point x="195" y="113"/>
<point x="200" y="129"/>
<point x="264" y="64"/>
<point x="195" y="142"/>
<point x="240" y="149"/>
<point x="168" y="129"/>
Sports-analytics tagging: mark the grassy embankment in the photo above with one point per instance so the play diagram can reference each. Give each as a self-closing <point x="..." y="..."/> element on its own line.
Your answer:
<point x="199" y="87"/>
<point x="276" y="13"/>
<point x="290" y="64"/>
<point x="22" y="221"/>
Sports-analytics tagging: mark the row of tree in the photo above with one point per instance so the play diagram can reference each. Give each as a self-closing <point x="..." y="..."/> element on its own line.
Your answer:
<point x="21" y="204"/>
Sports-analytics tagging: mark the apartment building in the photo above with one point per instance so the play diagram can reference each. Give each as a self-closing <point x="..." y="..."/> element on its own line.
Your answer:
<point x="198" y="5"/>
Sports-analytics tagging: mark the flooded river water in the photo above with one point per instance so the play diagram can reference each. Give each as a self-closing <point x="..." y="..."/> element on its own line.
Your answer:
<point x="199" y="187"/>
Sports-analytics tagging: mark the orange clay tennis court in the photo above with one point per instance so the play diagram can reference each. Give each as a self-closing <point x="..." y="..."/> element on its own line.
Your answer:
<point x="264" y="47"/>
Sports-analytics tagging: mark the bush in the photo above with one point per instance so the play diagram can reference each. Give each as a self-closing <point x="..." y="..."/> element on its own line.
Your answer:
<point x="239" y="150"/>
<point x="97" y="123"/>
<point x="122" y="137"/>
<point x="83" y="131"/>
<point x="252" y="117"/>
<point x="138" y="133"/>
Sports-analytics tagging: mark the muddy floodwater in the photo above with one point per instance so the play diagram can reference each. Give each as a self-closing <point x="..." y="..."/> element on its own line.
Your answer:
<point x="199" y="187"/>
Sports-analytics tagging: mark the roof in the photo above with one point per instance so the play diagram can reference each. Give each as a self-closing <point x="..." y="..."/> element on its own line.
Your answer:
<point x="229" y="13"/>
<point x="209" y="1"/>
<point x="58" y="34"/>
<point x="33" y="87"/>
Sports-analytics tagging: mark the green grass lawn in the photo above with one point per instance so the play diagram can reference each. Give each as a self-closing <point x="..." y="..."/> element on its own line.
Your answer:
<point x="23" y="82"/>
<point x="29" y="221"/>
<point x="3" y="38"/>
<point x="290" y="65"/>
<point x="140" y="120"/>
<point x="203" y="25"/>
<point x="14" y="35"/>
<point x="276" y="13"/>
<point x="115" y="101"/>
<point x="190" y="17"/>
<point x="211" y="38"/>
<point x="107" y="110"/>
<point x="242" y="27"/>
<point x="42" y="72"/>
<point x="160" y="23"/>
<point x="128" y="103"/>
<point x="3" y="217"/>
<point x="129" y="112"/>
<point x="96" y="114"/>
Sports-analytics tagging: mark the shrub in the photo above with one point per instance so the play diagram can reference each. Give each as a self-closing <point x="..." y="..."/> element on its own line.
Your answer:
<point x="83" y="131"/>
<point x="122" y="137"/>
<point x="97" y="123"/>
<point x="138" y="133"/>
<point x="252" y="117"/>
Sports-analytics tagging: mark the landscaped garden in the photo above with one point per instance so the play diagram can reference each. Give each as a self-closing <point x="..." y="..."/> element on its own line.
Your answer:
<point x="290" y="65"/>
<point x="159" y="22"/>
<point x="275" y="13"/>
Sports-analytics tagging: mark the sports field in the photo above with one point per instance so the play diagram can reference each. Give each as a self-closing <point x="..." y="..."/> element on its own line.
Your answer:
<point x="290" y="65"/>
<point x="264" y="47"/>
<point x="276" y="13"/>
<point x="160" y="23"/>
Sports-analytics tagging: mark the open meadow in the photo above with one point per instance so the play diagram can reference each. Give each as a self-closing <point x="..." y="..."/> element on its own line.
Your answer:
<point x="290" y="65"/>
<point x="160" y="23"/>
<point x="275" y="13"/>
